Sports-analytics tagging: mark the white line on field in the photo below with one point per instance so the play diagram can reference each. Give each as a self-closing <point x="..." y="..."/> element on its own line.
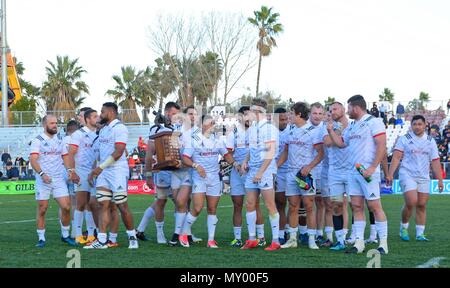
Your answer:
<point x="432" y="263"/>
<point x="53" y="219"/>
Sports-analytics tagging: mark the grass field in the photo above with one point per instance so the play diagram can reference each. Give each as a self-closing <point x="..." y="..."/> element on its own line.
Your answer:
<point x="18" y="237"/>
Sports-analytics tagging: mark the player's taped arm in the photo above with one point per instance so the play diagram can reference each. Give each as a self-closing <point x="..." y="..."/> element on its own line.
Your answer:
<point x="108" y="162"/>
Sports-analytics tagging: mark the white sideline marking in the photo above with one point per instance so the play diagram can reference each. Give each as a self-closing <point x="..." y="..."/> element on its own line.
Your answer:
<point x="53" y="219"/>
<point x="432" y="263"/>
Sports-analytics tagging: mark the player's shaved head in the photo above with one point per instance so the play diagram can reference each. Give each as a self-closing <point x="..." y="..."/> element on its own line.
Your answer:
<point x="337" y="110"/>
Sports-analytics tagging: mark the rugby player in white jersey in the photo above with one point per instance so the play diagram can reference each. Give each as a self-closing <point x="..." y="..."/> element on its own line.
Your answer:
<point x="339" y="168"/>
<point x="46" y="157"/>
<point x="283" y="124"/>
<point x="71" y="127"/>
<point x="202" y="155"/>
<point x="81" y="158"/>
<point x="237" y="145"/>
<point x="112" y="176"/>
<point x="181" y="180"/>
<point x="301" y="143"/>
<point x="261" y="166"/>
<point x="323" y="220"/>
<point x="162" y="179"/>
<point x="416" y="150"/>
<point x="366" y="142"/>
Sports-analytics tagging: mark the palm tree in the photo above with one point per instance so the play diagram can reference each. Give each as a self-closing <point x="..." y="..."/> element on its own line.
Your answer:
<point x="63" y="87"/>
<point x="266" y="21"/>
<point x="424" y="98"/>
<point x="132" y="89"/>
<point x="163" y="81"/>
<point x="208" y="73"/>
<point x="330" y="101"/>
<point x="387" y="95"/>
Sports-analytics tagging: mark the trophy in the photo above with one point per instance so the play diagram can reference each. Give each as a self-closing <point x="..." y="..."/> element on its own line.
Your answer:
<point x="167" y="151"/>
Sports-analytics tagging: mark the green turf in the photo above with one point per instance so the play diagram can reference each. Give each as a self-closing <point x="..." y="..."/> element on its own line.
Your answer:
<point x="18" y="240"/>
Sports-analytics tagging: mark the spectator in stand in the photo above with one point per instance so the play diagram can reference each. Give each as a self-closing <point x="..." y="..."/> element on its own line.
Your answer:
<point x="374" y="111"/>
<point x="448" y="105"/>
<point x="400" y="110"/>
<point x="383" y="110"/>
<point x="446" y="133"/>
<point x="12" y="172"/>
<point x="392" y="121"/>
<point x="398" y="122"/>
<point x="436" y="135"/>
<point x="442" y="149"/>
<point x="5" y="158"/>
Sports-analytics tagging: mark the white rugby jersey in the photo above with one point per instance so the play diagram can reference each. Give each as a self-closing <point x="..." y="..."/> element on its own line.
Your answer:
<point x="317" y="171"/>
<point x="83" y="139"/>
<point x="110" y="135"/>
<point x="325" y="160"/>
<point x="418" y="152"/>
<point x="259" y="135"/>
<point x="282" y="145"/>
<point x="50" y="151"/>
<point x="301" y="142"/>
<point x="338" y="158"/>
<point x="360" y="139"/>
<point x="237" y="140"/>
<point x="206" y="151"/>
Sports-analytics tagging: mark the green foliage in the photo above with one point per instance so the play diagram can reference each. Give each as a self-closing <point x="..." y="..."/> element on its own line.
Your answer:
<point x="387" y="95"/>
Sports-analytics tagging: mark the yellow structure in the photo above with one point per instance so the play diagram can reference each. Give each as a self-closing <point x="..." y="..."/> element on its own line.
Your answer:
<point x="13" y="80"/>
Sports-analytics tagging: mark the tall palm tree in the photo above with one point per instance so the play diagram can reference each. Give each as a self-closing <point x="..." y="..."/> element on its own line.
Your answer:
<point x="268" y="27"/>
<point x="132" y="89"/>
<point x="163" y="80"/>
<point x="208" y="73"/>
<point x="387" y="95"/>
<point x="330" y="101"/>
<point x="424" y="98"/>
<point x="63" y="88"/>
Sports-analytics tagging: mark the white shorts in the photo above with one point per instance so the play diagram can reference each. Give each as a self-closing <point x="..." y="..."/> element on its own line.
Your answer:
<point x="324" y="186"/>
<point x="292" y="188"/>
<point x="116" y="181"/>
<point x="83" y="185"/>
<point x="237" y="183"/>
<point x="358" y="186"/>
<point x="58" y="188"/>
<point x="182" y="177"/>
<point x="266" y="182"/>
<point x="408" y="183"/>
<point x="337" y="183"/>
<point x="163" y="179"/>
<point x="210" y="185"/>
<point x="280" y="182"/>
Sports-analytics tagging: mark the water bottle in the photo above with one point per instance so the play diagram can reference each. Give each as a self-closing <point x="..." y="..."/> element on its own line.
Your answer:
<point x="360" y="168"/>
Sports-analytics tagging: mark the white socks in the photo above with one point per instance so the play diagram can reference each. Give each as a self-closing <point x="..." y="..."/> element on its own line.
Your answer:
<point x="359" y="227"/>
<point x="188" y="222"/>
<point x="90" y="223"/>
<point x="329" y="232"/>
<point x="148" y="214"/>
<point x="211" y="222"/>
<point x="251" y="224"/>
<point x="78" y="222"/>
<point x="65" y="231"/>
<point x="275" y="224"/>
<point x="293" y="232"/>
<point x="101" y="238"/>
<point x="420" y="229"/>
<point x="381" y="229"/>
<point x="113" y="237"/>
<point x="41" y="234"/>
<point x="159" y="227"/>
<point x="179" y="221"/>
<point x="131" y="233"/>
<point x="260" y="231"/>
<point x="237" y="233"/>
